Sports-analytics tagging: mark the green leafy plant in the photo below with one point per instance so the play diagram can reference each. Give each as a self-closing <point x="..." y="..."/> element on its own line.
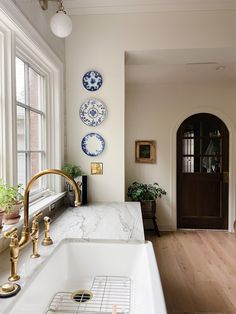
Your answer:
<point x="9" y="196"/>
<point x="145" y="192"/>
<point x="72" y="170"/>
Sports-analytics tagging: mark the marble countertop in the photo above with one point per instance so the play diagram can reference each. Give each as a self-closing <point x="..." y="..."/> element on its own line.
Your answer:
<point x="115" y="221"/>
<point x="120" y="221"/>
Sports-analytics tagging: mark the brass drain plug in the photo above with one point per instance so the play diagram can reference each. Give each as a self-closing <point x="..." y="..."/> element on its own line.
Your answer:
<point x="8" y="290"/>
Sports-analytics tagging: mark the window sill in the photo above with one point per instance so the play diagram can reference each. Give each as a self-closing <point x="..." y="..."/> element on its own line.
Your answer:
<point x="40" y="205"/>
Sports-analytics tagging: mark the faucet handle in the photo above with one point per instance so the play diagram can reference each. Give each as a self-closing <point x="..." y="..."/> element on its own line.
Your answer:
<point x="37" y="215"/>
<point x="35" y="233"/>
<point x="14" y="252"/>
<point x="47" y="239"/>
<point x="11" y="233"/>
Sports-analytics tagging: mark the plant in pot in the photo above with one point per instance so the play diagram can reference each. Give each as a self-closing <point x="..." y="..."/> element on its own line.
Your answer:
<point x="10" y="202"/>
<point x="146" y="194"/>
<point x="74" y="171"/>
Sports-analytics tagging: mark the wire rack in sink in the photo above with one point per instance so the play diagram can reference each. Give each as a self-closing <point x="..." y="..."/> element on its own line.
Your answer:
<point x="106" y="292"/>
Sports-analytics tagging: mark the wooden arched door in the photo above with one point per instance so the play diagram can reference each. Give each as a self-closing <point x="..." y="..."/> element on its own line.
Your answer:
<point x="202" y="173"/>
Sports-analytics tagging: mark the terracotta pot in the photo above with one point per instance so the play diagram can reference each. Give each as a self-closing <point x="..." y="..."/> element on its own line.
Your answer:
<point x="14" y="216"/>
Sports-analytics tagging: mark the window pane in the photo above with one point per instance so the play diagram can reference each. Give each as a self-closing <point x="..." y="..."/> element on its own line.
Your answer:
<point x="20" y="81"/>
<point x="21" y="145"/>
<point x="34" y="89"/>
<point x="35" y="131"/>
<point x="35" y="167"/>
<point x="21" y="175"/>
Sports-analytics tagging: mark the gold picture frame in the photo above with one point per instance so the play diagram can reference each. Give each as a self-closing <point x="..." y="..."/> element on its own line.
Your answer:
<point x="145" y="152"/>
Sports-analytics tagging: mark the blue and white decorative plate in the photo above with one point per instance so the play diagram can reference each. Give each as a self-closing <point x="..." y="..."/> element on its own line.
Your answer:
<point x="93" y="144"/>
<point x="93" y="112"/>
<point x="92" y="80"/>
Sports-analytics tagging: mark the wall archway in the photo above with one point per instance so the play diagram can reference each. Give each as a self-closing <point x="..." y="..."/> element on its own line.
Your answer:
<point x="232" y="157"/>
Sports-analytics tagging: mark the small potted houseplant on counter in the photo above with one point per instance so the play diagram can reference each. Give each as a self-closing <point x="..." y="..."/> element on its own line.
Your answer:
<point x="146" y="194"/>
<point x="10" y="202"/>
<point x="77" y="174"/>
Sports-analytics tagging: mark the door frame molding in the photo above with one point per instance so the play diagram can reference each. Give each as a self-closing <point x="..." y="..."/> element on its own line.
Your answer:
<point x="232" y="168"/>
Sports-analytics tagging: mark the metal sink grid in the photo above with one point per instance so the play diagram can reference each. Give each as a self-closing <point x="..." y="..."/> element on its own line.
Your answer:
<point x="106" y="291"/>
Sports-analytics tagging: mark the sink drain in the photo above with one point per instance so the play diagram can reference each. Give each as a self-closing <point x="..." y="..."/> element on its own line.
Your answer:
<point x="82" y="296"/>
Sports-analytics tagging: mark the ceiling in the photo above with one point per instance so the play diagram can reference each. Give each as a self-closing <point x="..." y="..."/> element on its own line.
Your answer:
<point x="79" y="7"/>
<point x="181" y="66"/>
<point x="167" y="66"/>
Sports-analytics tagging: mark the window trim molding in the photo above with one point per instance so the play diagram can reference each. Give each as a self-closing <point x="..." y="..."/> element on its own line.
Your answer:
<point x="19" y="36"/>
<point x="7" y="166"/>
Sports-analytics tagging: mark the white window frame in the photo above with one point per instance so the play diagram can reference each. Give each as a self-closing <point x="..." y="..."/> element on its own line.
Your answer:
<point x="19" y="38"/>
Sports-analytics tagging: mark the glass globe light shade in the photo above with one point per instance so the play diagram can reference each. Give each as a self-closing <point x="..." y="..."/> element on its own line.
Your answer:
<point x="61" y="24"/>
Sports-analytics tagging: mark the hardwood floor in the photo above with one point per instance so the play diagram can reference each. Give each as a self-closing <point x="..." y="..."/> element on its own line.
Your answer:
<point x="198" y="270"/>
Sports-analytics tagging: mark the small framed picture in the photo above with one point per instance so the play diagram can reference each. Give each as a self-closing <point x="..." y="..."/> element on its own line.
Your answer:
<point x="145" y="152"/>
<point x="96" y="168"/>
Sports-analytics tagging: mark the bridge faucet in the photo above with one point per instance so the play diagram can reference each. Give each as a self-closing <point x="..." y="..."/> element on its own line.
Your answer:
<point x="25" y="237"/>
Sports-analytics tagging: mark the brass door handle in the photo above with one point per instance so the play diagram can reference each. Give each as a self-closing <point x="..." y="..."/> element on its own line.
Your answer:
<point x="226" y="177"/>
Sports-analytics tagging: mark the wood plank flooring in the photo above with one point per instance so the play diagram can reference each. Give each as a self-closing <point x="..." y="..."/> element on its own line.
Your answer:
<point x="198" y="271"/>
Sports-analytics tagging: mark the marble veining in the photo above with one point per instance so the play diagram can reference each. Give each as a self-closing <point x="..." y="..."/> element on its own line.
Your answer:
<point x="113" y="221"/>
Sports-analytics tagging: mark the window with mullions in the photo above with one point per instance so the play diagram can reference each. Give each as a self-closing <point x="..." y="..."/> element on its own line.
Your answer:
<point x="30" y="123"/>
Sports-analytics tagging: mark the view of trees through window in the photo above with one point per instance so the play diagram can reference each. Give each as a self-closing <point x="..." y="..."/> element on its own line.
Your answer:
<point x="30" y="118"/>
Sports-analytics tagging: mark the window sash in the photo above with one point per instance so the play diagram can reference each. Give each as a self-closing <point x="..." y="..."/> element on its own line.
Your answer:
<point x="28" y="152"/>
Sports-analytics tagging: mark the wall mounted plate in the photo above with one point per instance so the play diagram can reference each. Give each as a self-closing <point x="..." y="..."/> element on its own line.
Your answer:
<point x="93" y="112"/>
<point x="92" y="80"/>
<point x="93" y="144"/>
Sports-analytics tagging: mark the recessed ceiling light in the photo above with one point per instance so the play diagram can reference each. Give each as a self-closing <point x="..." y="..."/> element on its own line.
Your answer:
<point x="220" y="68"/>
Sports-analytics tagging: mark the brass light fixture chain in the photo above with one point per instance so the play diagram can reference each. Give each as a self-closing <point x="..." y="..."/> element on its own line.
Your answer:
<point x="61" y="7"/>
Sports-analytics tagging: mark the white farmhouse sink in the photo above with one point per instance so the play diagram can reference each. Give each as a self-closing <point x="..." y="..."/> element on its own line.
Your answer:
<point x="74" y="264"/>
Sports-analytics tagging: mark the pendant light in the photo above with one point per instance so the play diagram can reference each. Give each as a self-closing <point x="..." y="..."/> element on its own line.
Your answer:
<point x="61" y="24"/>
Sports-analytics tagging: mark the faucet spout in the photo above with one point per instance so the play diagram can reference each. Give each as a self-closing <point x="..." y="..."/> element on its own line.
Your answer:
<point x="25" y="237"/>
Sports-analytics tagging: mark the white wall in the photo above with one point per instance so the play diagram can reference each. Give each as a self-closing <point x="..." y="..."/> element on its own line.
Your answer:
<point x="40" y="20"/>
<point x="158" y="111"/>
<point x="99" y="42"/>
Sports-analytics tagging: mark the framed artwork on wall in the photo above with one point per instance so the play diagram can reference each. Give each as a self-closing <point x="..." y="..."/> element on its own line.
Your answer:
<point x="145" y="151"/>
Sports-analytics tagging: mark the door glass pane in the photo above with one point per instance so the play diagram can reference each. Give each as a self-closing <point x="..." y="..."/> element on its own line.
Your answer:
<point x="34" y="89"/>
<point x="188" y="146"/>
<point x="21" y="169"/>
<point x="188" y="164"/>
<point x="20" y="81"/>
<point x="191" y="164"/>
<point x="35" y="131"/>
<point x="211" y="128"/>
<point x="211" y="146"/>
<point x="191" y="143"/>
<point x="211" y="164"/>
<point x="21" y="137"/>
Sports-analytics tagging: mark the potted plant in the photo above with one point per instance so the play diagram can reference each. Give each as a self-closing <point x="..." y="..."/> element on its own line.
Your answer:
<point x="72" y="170"/>
<point x="75" y="171"/>
<point x="10" y="202"/>
<point x="146" y="194"/>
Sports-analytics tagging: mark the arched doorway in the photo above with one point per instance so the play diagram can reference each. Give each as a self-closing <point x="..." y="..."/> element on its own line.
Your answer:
<point x="202" y="173"/>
